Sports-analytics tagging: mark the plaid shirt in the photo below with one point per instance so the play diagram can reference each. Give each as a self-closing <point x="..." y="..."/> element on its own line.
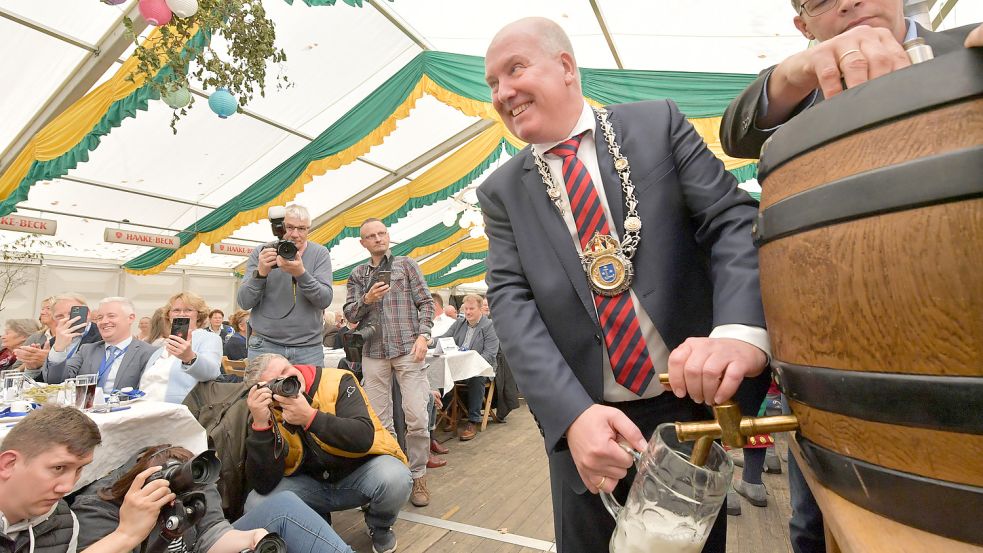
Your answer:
<point x="407" y="310"/>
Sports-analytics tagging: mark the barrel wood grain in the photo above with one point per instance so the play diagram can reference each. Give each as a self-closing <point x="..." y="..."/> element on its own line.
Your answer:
<point x="947" y="129"/>
<point x="858" y="530"/>
<point x="900" y="292"/>
<point x="938" y="454"/>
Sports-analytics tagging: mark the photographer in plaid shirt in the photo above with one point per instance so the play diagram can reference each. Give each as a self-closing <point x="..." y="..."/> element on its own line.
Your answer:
<point x="389" y="299"/>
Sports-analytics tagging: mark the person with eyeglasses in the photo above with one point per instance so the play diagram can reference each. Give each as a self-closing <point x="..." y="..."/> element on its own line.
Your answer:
<point x="858" y="40"/>
<point x="287" y="297"/>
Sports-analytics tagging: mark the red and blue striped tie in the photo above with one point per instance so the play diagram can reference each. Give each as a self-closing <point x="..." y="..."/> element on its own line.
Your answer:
<point x="626" y="346"/>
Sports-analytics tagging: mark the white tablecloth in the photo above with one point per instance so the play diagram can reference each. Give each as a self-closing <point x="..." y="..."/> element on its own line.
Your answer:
<point x="144" y="424"/>
<point x="332" y="357"/>
<point x="455" y="366"/>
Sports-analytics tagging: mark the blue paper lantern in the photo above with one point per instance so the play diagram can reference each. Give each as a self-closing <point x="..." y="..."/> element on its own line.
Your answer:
<point x="223" y="103"/>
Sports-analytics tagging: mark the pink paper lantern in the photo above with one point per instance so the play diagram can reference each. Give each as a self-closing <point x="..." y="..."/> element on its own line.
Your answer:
<point x="155" y="12"/>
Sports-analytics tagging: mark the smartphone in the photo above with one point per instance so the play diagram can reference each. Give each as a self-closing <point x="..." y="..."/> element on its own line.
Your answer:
<point x="180" y="326"/>
<point x="383" y="276"/>
<point x="80" y="311"/>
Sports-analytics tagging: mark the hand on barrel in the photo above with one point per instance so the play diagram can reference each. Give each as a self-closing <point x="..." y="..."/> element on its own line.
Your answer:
<point x="709" y="370"/>
<point x="593" y="440"/>
<point x="857" y="56"/>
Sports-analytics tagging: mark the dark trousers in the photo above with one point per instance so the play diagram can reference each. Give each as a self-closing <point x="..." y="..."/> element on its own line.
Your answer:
<point x="805" y="528"/>
<point x="581" y="523"/>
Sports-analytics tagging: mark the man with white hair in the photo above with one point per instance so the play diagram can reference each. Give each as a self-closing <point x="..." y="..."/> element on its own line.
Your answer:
<point x="118" y="360"/>
<point x="287" y="297"/>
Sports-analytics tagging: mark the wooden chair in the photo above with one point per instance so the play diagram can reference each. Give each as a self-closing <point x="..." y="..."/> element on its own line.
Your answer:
<point x="452" y="413"/>
<point x="237" y="368"/>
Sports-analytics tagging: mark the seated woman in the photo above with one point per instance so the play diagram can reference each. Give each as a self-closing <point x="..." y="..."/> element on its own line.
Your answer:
<point x="97" y="508"/>
<point x="235" y="345"/>
<point x="15" y="333"/>
<point x="182" y="363"/>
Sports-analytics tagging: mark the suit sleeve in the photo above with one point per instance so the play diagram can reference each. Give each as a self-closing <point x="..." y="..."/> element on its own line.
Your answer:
<point x="738" y="134"/>
<point x="489" y="349"/>
<point x="722" y="216"/>
<point x="549" y="384"/>
<point x="56" y="373"/>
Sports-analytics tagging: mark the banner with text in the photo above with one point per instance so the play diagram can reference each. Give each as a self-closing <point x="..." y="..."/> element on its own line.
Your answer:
<point x="232" y="249"/>
<point x="28" y="224"/>
<point x="120" y="236"/>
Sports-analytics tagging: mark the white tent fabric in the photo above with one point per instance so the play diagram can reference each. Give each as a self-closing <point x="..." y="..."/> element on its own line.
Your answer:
<point x="336" y="56"/>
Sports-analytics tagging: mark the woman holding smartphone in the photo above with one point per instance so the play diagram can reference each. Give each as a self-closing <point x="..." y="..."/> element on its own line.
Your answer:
<point x="97" y="509"/>
<point x="190" y="353"/>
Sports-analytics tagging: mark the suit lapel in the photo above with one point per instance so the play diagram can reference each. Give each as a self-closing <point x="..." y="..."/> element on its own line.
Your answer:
<point x="609" y="176"/>
<point x="557" y="234"/>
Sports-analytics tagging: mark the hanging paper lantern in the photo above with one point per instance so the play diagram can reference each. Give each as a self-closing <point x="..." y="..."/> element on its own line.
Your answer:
<point x="113" y="2"/>
<point x="450" y="217"/>
<point x="177" y="97"/>
<point x="183" y="8"/>
<point x="476" y="231"/>
<point x="155" y="12"/>
<point x="223" y="103"/>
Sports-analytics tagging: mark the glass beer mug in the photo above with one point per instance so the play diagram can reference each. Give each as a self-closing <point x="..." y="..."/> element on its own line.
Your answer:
<point x="672" y="503"/>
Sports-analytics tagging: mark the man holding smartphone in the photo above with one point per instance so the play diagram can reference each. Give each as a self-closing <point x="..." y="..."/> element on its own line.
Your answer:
<point x="287" y="297"/>
<point x="69" y="311"/>
<point x="389" y="296"/>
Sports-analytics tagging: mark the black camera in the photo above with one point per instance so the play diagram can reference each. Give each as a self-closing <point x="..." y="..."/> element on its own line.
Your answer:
<point x="288" y="386"/>
<point x="185" y="480"/>
<point x="284" y="248"/>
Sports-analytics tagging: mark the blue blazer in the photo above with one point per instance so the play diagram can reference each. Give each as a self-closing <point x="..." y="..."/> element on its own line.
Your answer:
<point x="484" y="340"/>
<point x="696" y="266"/>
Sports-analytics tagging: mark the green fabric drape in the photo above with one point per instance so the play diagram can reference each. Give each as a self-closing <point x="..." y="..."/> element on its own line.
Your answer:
<point x="698" y="95"/>
<point x="432" y="235"/>
<point x="469" y="271"/>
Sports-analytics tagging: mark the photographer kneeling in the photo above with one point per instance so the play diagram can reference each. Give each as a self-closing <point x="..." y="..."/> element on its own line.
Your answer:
<point x="324" y="443"/>
<point x="206" y="530"/>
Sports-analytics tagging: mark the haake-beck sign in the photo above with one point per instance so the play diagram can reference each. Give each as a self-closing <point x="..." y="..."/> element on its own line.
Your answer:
<point x="121" y="236"/>
<point x="28" y="224"/>
<point x="232" y="249"/>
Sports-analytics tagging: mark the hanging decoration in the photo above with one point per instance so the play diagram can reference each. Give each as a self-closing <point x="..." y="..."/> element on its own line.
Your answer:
<point x="223" y="103"/>
<point x="183" y="8"/>
<point x="177" y="97"/>
<point x="155" y="12"/>
<point x="113" y="2"/>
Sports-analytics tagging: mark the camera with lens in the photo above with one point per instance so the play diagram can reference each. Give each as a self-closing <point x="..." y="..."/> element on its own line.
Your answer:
<point x="284" y="248"/>
<point x="287" y="386"/>
<point x="186" y="479"/>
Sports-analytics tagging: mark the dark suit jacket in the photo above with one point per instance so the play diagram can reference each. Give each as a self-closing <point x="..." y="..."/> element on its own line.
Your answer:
<point x="696" y="267"/>
<point x="739" y="136"/>
<point x="90" y="356"/>
<point x="484" y="341"/>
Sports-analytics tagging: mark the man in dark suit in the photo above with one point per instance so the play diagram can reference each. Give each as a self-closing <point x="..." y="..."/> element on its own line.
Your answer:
<point x="858" y="40"/>
<point x="118" y="360"/>
<point x="474" y="332"/>
<point x="585" y="338"/>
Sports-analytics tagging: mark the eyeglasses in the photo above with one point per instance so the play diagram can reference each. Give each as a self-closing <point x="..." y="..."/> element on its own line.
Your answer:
<point x="816" y="7"/>
<point x="291" y="228"/>
<point x="183" y="310"/>
<point x="379" y="234"/>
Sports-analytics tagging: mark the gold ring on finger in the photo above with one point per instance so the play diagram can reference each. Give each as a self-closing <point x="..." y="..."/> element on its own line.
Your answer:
<point x="845" y="54"/>
<point x="601" y="483"/>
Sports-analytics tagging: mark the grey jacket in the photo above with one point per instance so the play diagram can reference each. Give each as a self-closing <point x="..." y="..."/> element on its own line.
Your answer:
<point x="741" y="138"/>
<point x="90" y="356"/>
<point x="53" y="532"/>
<point x="484" y="341"/>
<point x="285" y="310"/>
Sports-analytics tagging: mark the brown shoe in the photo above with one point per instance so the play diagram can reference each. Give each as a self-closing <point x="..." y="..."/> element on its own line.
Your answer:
<point x="435" y="462"/>
<point x="420" y="496"/>
<point x="435" y="447"/>
<point x="468" y="432"/>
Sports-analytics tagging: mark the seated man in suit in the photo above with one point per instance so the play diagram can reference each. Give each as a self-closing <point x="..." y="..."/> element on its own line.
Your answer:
<point x="119" y="359"/>
<point x="474" y="331"/>
<point x="858" y="41"/>
<point x="33" y="355"/>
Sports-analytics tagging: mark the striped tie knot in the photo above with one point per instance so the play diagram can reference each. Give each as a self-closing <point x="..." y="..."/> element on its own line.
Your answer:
<point x="568" y="147"/>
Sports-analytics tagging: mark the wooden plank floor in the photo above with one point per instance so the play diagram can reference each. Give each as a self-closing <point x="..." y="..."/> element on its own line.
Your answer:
<point x="499" y="482"/>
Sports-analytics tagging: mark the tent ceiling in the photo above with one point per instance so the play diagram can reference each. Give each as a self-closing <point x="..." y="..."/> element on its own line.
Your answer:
<point x="336" y="56"/>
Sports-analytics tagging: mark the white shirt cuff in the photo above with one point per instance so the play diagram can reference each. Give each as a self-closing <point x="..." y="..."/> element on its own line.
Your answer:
<point x="754" y="335"/>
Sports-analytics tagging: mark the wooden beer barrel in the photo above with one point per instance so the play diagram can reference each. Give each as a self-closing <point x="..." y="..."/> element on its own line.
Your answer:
<point x="871" y="255"/>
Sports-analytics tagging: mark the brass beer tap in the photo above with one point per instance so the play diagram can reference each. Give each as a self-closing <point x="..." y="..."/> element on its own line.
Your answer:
<point x="729" y="426"/>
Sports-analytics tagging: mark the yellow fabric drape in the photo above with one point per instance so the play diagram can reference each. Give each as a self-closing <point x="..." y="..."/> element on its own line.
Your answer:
<point x="446" y="257"/>
<point x="450" y="170"/>
<point x="68" y="129"/>
<point x="709" y="129"/>
<point x="465" y="280"/>
<point x="438" y="246"/>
